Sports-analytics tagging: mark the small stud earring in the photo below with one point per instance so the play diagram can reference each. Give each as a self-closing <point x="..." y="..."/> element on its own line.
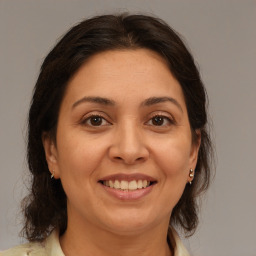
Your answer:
<point x="191" y="175"/>
<point x="52" y="174"/>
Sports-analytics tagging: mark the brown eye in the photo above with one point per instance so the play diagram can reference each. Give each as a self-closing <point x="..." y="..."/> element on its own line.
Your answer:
<point x="95" y="120"/>
<point x="158" y="120"/>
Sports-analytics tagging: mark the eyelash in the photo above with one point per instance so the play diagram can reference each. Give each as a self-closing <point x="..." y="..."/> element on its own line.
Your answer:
<point x="89" y="118"/>
<point x="170" y="121"/>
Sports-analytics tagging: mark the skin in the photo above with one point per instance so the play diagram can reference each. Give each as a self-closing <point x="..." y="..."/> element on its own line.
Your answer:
<point x="127" y="140"/>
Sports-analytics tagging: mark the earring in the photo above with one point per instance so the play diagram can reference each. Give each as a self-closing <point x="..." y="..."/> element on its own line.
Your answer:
<point x="191" y="175"/>
<point x="52" y="174"/>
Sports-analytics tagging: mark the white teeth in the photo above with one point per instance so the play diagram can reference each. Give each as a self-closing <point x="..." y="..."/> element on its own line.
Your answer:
<point x="111" y="184"/>
<point x="133" y="185"/>
<point x="116" y="184"/>
<point x="139" y="183"/>
<point x="126" y="185"/>
<point x="144" y="183"/>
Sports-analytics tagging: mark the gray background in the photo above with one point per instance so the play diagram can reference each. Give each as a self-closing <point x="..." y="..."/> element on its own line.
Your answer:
<point x="222" y="37"/>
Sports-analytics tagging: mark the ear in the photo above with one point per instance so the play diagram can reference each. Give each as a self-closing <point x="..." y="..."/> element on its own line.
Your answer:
<point x="51" y="154"/>
<point x="195" y="149"/>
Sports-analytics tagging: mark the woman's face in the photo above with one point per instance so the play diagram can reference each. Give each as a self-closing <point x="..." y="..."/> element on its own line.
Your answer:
<point x="123" y="146"/>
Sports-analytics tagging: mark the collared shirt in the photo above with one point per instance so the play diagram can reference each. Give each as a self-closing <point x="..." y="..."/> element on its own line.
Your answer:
<point x="51" y="247"/>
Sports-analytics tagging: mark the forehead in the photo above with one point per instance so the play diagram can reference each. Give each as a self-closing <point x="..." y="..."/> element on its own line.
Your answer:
<point x="131" y="62"/>
<point x="121" y="73"/>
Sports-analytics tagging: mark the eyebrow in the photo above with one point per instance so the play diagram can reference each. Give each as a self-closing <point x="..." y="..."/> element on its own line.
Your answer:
<point x="155" y="100"/>
<point x="107" y="102"/>
<point x="98" y="100"/>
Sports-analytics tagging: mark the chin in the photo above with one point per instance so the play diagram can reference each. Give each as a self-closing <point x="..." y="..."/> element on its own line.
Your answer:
<point x="130" y="223"/>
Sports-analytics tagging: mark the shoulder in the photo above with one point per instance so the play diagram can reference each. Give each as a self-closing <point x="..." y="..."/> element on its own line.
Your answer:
<point x="29" y="249"/>
<point x="49" y="247"/>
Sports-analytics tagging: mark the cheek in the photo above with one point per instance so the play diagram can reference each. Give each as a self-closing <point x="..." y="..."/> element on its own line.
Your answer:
<point x="78" y="160"/>
<point x="175" y="175"/>
<point x="78" y="157"/>
<point x="173" y="157"/>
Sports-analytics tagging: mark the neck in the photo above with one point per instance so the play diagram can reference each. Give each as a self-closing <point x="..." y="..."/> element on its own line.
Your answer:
<point x="90" y="240"/>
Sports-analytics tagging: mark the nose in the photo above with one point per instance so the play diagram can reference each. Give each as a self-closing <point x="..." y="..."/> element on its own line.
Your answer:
<point x="128" y="146"/>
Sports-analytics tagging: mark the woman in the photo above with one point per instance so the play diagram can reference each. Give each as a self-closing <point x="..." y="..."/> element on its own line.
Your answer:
<point x="117" y="142"/>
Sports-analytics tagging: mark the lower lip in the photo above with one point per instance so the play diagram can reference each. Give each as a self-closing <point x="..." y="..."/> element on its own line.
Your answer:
<point x="128" y="195"/>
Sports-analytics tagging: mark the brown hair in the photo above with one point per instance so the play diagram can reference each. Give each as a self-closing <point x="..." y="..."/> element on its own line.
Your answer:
<point x="45" y="206"/>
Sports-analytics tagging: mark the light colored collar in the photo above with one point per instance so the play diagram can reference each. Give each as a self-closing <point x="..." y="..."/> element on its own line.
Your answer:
<point x="52" y="244"/>
<point x="179" y="248"/>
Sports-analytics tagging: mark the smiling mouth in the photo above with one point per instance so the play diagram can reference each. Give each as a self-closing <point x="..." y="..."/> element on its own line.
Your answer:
<point x="125" y="185"/>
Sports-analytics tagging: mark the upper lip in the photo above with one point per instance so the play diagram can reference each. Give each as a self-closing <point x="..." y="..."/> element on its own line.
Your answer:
<point x="128" y="177"/>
